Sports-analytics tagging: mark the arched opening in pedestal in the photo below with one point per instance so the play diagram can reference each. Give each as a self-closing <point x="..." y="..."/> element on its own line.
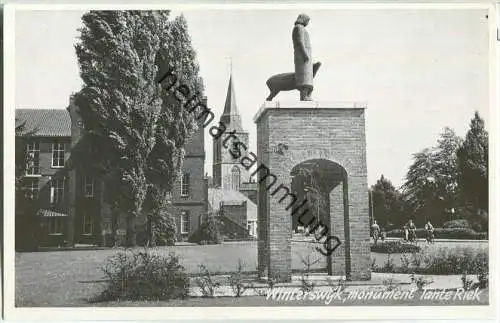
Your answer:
<point x="323" y="183"/>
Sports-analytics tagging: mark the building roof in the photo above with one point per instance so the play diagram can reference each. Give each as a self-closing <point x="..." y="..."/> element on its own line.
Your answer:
<point x="46" y="122"/>
<point x="216" y="196"/>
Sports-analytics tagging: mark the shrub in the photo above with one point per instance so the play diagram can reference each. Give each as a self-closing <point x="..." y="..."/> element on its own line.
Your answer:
<point x="206" y="282"/>
<point x="389" y="284"/>
<point x="389" y="265"/>
<point x="374" y="266"/>
<point x="467" y="283"/>
<point x="394" y="247"/>
<point x="207" y="233"/>
<point x="420" y="281"/>
<point x="237" y="282"/>
<point x="444" y="233"/>
<point x="164" y="230"/>
<point x="456" y="262"/>
<point x="337" y="286"/>
<point x="455" y="233"/>
<point x="483" y="280"/>
<point x="144" y="276"/>
<point x="444" y="261"/>
<point x="460" y="223"/>
<point x="306" y="284"/>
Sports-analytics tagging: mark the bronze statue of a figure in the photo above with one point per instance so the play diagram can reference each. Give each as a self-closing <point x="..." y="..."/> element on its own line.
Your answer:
<point x="302" y="78"/>
<point x="302" y="58"/>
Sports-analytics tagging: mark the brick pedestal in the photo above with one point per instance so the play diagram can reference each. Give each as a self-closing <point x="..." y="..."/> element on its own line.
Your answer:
<point x="291" y="134"/>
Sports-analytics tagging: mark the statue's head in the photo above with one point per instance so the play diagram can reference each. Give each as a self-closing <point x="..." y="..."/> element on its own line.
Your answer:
<point x="302" y="19"/>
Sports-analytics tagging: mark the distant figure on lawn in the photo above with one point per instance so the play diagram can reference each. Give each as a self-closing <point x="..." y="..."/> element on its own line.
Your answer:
<point x="429" y="230"/>
<point x="411" y="231"/>
<point x="375" y="231"/>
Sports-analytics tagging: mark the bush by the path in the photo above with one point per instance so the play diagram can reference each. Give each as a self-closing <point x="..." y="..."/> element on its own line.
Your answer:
<point x="394" y="247"/>
<point x="444" y="233"/>
<point x="144" y="276"/>
<point x="457" y="261"/>
<point x="443" y="261"/>
<point x="207" y="233"/>
<point x="460" y="223"/>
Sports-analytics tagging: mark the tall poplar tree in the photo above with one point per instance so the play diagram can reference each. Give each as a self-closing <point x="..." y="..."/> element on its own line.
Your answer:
<point x="473" y="170"/>
<point x="137" y="128"/>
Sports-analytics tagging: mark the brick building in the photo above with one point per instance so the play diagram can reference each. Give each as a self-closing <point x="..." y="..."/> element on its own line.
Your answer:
<point x="69" y="202"/>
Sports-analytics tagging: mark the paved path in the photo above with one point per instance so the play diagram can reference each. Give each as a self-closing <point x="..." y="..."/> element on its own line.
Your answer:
<point x="379" y="281"/>
<point x="442" y="240"/>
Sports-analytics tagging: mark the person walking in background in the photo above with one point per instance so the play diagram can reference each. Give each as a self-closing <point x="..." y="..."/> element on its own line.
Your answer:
<point x="375" y="231"/>
<point x="429" y="230"/>
<point x="412" y="231"/>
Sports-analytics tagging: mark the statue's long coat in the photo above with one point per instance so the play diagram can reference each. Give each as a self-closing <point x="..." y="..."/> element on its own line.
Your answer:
<point x="303" y="69"/>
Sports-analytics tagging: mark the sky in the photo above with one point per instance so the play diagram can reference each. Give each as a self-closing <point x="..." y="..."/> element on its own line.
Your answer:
<point x="417" y="70"/>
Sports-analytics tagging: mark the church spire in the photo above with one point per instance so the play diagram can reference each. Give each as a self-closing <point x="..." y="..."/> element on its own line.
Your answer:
<point x="231" y="116"/>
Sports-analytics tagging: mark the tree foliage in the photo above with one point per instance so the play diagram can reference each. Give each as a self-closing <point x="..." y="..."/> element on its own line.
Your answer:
<point x="388" y="205"/>
<point x="450" y="180"/>
<point x="431" y="185"/>
<point x="473" y="169"/>
<point x="136" y="127"/>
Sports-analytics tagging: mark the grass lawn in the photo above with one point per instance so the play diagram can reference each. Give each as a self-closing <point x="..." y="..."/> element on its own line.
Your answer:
<point x="68" y="278"/>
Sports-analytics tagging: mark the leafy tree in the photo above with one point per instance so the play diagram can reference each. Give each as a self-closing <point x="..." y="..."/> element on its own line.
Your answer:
<point x="176" y="121"/>
<point x="388" y="205"/>
<point x="137" y="128"/>
<point x="420" y="185"/>
<point x="446" y="170"/>
<point x="473" y="170"/>
<point x="431" y="185"/>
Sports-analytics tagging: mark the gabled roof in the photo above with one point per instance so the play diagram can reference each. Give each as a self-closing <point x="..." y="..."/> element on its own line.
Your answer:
<point x="46" y="122"/>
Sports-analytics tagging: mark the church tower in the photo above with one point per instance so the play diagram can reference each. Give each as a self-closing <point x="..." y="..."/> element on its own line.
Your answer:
<point x="228" y="173"/>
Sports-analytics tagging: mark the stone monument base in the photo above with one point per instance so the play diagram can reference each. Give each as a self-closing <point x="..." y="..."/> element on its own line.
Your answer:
<point x="325" y="138"/>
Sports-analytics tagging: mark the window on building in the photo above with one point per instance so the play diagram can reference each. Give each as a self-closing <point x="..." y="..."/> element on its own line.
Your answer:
<point x="31" y="188"/>
<point x="185" y="184"/>
<point x="89" y="186"/>
<point x="235" y="178"/>
<point x="58" y="154"/>
<point x="88" y="225"/>
<point x="33" y="158"/>
<point x="56" y="191"/>
<point x="185" y="223"/>
<point x="55" y="225"/>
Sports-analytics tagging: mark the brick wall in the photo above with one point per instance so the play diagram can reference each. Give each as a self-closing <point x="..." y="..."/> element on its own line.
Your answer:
<point x="326" y="132"/>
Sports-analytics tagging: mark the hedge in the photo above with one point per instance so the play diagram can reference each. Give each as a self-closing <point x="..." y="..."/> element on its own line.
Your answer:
<point x="394" y="247"/>
<point x="460" y="223"/>
<point x="443" y="261"/>
<point x="444" y="233"/>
